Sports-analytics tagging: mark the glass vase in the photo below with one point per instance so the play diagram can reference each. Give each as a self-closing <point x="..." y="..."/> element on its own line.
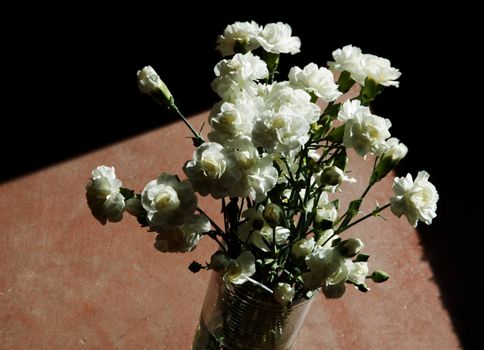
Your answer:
<point x="246" y="317"/>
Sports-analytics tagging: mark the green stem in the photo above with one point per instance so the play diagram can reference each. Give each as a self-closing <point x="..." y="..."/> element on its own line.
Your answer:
<point x="187" y="123"/>
<point x="373" y="213"/>
<point x="219" y="230"/>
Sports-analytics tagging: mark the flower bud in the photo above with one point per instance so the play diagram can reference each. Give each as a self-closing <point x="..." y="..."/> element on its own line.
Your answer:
<point x="332" y="176"/>
<point x="284" y="293"/>
<point x="302" y="247"/>
<point x="149" y="82"/>
<point x="272" y="214"/>
<point x="350" y="247"/>
<point x="379" y="276"/>
<point x="134" y="207"/>
<point x="219" y="261"/>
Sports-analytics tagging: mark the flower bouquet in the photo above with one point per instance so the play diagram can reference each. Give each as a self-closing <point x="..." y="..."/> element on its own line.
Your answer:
<point x="275" y="159"/>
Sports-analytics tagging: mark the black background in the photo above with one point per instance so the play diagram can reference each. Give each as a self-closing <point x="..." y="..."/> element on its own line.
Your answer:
<point x="69" y="81"/>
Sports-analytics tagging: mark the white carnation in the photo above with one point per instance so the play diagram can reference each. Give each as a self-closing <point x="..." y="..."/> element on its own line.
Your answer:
<point x="212" y="170"/>
<point x="327" y="267"/>
<point x="103" y="196"/>
<point x="184" y="237"/>
<point x="239" y="270"/>
<point x="348" y="59"/>
<point x="319" y="81"/>
<point x="168" y="201"/>
<point x="243" y="33"/>
<point x="284" y="123"/>
<point x="357" y="271"/>
<point x="380" y="70"/>
<point x="302" y="247"/>
<point x="258" y="175"/>
<point x="237" y="75"/>
<point x="365" y="132"/>
<point x="325" y="210"/>
<point x="417" y="200"/>
<point x="276" y="38"/>
<point x="394" y="150"/>
<point x="232" y="122"/>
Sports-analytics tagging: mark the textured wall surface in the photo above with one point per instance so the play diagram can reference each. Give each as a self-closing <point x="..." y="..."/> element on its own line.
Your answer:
<point x="67" y="282"/>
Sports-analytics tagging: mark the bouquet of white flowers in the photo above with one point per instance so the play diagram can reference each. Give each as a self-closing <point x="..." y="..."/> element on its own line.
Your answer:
<point x="276" y="160"/>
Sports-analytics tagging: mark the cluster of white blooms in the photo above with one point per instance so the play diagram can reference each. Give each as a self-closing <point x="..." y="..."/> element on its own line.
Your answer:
<point x="277" y="162"/>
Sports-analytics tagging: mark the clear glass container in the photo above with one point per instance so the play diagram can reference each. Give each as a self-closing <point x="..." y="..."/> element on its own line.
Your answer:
<point x="246" y="317"/>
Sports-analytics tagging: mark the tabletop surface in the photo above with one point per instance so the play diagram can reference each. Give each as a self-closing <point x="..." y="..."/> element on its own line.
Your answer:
<point x="67" y="282"/>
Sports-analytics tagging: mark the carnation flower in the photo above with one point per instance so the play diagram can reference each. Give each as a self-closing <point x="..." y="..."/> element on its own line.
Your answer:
<point x="168" y="201"/>
<point x="318" y="81"/>
<point x="184" y="237"/>
<point x="417" y="200"/>
<point x="103" y="196"/>
<point x="243" y="34"/>
<point x="276" y="38"/>
<point x="364" y="131"/>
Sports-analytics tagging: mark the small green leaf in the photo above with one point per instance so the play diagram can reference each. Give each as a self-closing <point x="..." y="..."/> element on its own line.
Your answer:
<point x="341" y="160"/>
<point x="369" y="91"/>
<point x="345" y="82"/>
<point x="337" y="134"/>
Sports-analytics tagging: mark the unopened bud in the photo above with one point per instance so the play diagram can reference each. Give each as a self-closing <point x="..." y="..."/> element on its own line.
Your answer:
<point x="219" y="261"/>
<point x="332" y="176"/>
<point x="149" y="82"/>
<point x="379" y="276"/>
<point x="272" y="214"/>
<point x="350" y="247"/>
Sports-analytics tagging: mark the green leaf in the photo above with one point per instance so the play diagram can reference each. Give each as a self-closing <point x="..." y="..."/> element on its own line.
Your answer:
<point x="369" y="91"/>
<point x="336" y="135"/>
<point x="345" y="82"/>
<point x="341" y="160"/>
<point x="332" y="110"/>
<point x="336" y="203"/>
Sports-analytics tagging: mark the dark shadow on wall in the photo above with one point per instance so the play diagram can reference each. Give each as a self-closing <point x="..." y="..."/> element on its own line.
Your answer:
<point x="82" y="95"/>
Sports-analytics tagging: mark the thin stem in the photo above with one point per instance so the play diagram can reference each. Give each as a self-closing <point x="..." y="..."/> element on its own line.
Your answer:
<point x="219" y="230"/>
<point x="187" y="123"/>
<point x="214" y="237"/>
<point x="373" y="213"/>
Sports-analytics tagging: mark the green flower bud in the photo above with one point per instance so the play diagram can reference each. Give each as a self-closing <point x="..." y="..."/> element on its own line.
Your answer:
<point x="379" y="276"/>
